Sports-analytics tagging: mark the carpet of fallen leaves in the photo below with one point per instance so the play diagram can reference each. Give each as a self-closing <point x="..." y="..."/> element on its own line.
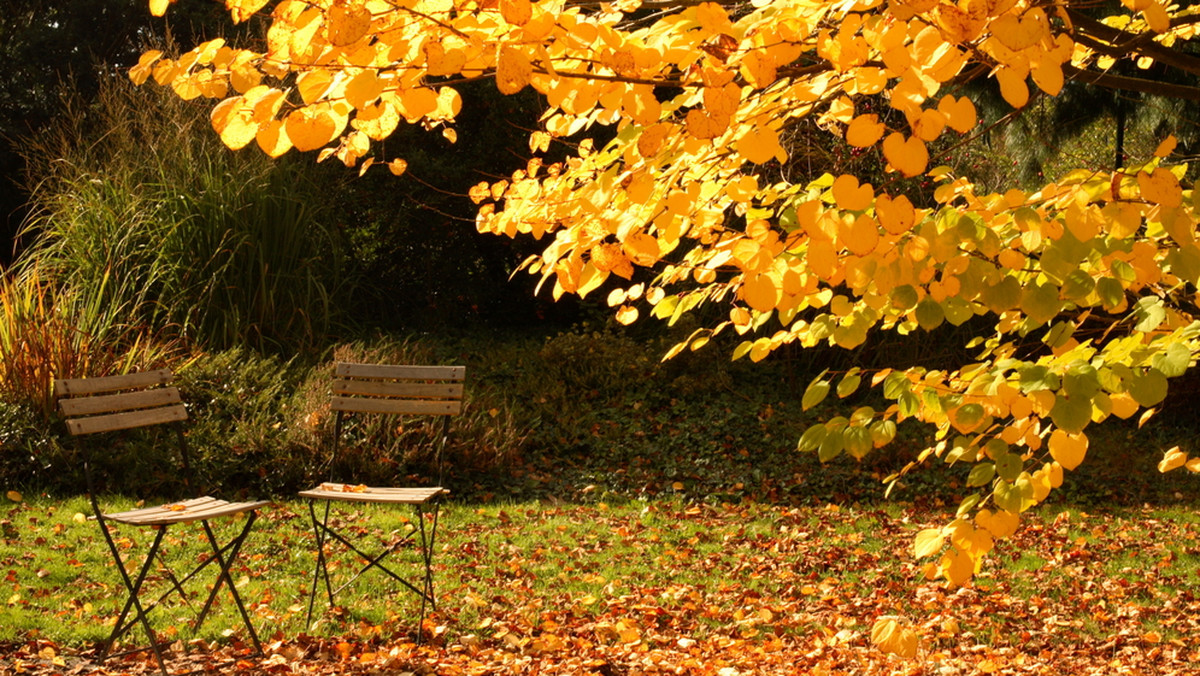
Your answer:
<point x="675" y="588"/>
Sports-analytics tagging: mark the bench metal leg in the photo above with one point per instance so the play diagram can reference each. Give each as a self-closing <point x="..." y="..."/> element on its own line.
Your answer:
<point x="324" y="533"/>
<point x="133" y="587"/>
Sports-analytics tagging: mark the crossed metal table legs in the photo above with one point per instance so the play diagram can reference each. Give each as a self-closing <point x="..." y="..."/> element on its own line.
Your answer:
<point x="426" y="536"/>
<point x="224" y="556"/>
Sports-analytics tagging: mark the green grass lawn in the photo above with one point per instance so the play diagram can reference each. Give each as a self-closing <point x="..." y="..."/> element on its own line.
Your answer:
<point x="666" y="572"/>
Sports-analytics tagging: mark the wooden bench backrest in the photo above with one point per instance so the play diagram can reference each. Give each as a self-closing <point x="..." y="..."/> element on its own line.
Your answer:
<point x="119" y="402"/>
<point x="409" y="390"/>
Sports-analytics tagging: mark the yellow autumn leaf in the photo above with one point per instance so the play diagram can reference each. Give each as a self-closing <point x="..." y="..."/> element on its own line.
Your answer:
<point x="145" y="65"/>
<point x="1013" y="87"/>
<point x="897" y="216"/>
<point x="758" y="67"/>
<point x="363" y="89"/>
<point x="929" y="124"/>
<point x="347" y="24"/>
<point x="233" y="121"/>
<point x="1019" y="33"/>
<point x="1068" y="449"/>
<point x="1172" y="459"/>
<point x="851" y="196"/>
<point x="309" y="129"/>
<point x="1000" y="523"/>
<point x="761" y="146"/>
<point x="893" y="636"/>
<point x="908" y="156"/>
<point x="960" y="113"/>
<point x="159" y="7"/>
<point x="703" y="125"/>
<point x="1157" y="17"/>
<point x="956" y="566"/>
<point x="864" y="131"/>
<point x="15" y="496"/>
<point x="928" y="542"/>
<point x="1160" y="187"/>
<point x="627" y="314"/>
<point x="397" y="166"/>
<point x="761" y="292"/>
<point x="272" y="138"/>
<point x="242" y="10"/>
<point x="1166" y="147"/>
<point x="516" y="12"/>
<point x="513" y="70"/>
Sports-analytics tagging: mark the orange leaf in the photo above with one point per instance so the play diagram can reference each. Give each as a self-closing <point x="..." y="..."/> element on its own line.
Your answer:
<point x="908" y="156"/>
<point x="513" y="70"/>
<point x="516" y="12"/>
<point x="309" y="130"/>
<point x="1013" y="87"/>
<point x="895" y="215"/>
<point x="761" y="146"/>
<point x="1160" y="187"/>
<point x="1017" y="34"/>
<point x="1067" y="449"/>
<point x="346" y="24"/>
<point x="864" y="131"/>
<point x="851" y="196"/>
<point x="960" y="113"/>
<point x="761" y="292"/>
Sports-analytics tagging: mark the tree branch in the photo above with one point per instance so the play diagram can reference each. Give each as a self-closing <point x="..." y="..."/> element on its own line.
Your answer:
<point x="1132" y="84"/>
<point x="1127" y="43"/>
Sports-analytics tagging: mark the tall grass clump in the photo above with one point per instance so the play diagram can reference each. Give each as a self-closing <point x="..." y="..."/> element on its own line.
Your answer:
<point x="48" y="331"/>
<point x="140" y="207"/>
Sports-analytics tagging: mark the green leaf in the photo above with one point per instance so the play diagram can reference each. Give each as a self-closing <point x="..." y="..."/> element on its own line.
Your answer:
<point x="1148" y="389"/>
<point x="1037" y="378"/>
<point x="1040" y="302"/>
<point x="1003" y="296"/>
<point x="832" y="445"/>
<point x="1078" y="285"/>
<point x="1173" y="361"/>
<point x="1110" y="291"/>
<point x="849" y="384"/>
<point x="896" y="384"/>
<point x="909" y="404"/>
<point x="815" y="393"/>
<point x="1071" y="414"/>
<point x="883" y="432"/>
<point x="958" y="311"/>
<point x="857" y="442"/>
<point x="812" y="437"/>
<point x="904" y="297"/>
<point x="1009" y="466"/>
<point x="930" y="314"/>
<point x="1149" y="313"/>
<point x="981" y="474"/>
<point x="967" y="417"/>
<point x="969" y="503"/>
<point x="1081" y="381"/>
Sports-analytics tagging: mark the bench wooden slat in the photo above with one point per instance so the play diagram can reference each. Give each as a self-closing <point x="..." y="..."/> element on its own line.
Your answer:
<point x="126" y="401"/>
<point x="127" y="420"/>
<point x="199" y="509"/>
<point x="397" y="406"/>
<point x="399" y="372"/>
<point x="77" y="386"/>
<point x="383" y="388"/>
<point x="400" y="496"/>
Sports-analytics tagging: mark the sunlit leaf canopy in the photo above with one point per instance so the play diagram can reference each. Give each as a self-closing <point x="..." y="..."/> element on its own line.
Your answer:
<point x="1085" y="288"/>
